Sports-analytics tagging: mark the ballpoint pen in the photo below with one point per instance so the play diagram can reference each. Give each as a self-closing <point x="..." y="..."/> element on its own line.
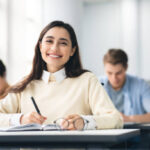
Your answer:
<point x="35" y="105"/>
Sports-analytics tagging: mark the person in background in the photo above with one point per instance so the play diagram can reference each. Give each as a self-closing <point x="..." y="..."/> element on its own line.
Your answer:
<point x="62" y="89"/>
<point x="130" y="94"/>
<point x="3" y="82"/>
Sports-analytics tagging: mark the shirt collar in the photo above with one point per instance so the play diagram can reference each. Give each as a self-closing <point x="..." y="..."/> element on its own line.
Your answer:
<point x="59" y="75"/>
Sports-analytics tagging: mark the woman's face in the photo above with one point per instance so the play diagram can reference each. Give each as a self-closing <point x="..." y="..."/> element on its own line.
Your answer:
<point x="56" y="48"/>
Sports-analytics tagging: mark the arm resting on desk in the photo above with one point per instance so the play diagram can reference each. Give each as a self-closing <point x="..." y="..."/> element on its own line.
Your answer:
<point x="137" y="118"/>
<point x="103" y="110"/>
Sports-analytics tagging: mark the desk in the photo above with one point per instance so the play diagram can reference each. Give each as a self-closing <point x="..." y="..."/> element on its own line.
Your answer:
<point x="63" y="139"/>
<point x="133" y="125"/>
<point x="144" y="140"/>
<point x="145" y="126"/>
<point x="145" y="135"/>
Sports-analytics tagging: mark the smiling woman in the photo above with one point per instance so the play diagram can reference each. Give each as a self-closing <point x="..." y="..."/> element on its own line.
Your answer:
<point x="75" y="95"/>
<point x="56" y="48"/>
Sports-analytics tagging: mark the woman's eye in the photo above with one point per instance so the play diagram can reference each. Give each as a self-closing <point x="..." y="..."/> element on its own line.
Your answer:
<point x="49" y="41"/>
<point x="63" y="43"/>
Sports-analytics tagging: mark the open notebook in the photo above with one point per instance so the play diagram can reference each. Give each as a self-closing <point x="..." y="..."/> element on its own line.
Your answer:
<point x="32" y="127"/>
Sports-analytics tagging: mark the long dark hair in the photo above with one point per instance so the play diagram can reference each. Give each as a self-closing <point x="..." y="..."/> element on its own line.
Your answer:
<point x="73" y="67"/>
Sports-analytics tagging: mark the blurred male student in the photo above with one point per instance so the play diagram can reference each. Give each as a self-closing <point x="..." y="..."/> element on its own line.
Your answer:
<point x="130" y="94"/>
<point x="3" y="83"/>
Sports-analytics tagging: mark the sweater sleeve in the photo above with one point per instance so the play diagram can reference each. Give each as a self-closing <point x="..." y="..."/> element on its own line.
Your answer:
<point x="104" y="112"/>
<point x="9" y="106"/>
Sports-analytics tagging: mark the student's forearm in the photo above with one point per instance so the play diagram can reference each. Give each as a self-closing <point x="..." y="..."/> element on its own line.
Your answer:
<point x="140" y="118"/>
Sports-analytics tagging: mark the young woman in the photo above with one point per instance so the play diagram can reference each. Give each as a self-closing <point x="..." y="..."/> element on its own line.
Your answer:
<point x="61" y="88"/>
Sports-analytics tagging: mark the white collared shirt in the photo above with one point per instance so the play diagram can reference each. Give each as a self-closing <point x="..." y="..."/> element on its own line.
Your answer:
<point x="59" y="76"/>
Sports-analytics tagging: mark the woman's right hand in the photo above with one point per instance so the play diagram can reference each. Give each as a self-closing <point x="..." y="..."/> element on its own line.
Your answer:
<point x="32" y="117"/>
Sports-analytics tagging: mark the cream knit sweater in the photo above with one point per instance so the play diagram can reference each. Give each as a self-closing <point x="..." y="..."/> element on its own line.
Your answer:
<point x="82" y="95"/>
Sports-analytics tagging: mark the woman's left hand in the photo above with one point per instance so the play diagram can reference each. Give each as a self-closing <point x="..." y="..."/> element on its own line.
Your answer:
<point x="76" y="122"/>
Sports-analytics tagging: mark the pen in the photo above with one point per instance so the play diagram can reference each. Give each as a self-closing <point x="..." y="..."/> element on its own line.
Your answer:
<point x="102" y="83"/>
<point x="35" y="105"/>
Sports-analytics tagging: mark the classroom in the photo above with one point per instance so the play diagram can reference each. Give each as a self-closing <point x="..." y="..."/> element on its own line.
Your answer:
<point x="74" y="74"/>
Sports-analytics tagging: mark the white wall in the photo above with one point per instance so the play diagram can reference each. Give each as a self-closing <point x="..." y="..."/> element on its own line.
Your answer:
<point x="3" y="30"/>
<point x="130" y="32"/>
<point x="21" y="30"/>
<point x="100" y="31"/>
<point x="145" y="38"/>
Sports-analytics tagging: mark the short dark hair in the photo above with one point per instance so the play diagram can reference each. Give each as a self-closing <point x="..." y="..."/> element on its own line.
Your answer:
<point x="2" y="69"/>
<point x="116" y="56"/>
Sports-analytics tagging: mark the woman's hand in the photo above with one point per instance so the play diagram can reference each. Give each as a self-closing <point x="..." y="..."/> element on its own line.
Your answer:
<point x="32" y="117"/>
<point x="76" y="122"/>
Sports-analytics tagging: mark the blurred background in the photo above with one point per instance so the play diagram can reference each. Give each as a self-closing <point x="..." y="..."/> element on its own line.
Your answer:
<point x="99" y="25"/>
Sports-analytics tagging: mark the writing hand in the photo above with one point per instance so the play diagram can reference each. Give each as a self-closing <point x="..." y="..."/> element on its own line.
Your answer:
<point x="32" y="117"/>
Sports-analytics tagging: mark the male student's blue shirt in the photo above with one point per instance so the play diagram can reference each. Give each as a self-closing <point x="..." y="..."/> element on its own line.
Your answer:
<point x="136" y="95"/>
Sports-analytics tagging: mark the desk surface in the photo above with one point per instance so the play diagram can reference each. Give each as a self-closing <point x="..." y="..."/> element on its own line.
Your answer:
<point x="132" y="125"/>
<point x="145" y="126"/>
<point x="114" y="135"/>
